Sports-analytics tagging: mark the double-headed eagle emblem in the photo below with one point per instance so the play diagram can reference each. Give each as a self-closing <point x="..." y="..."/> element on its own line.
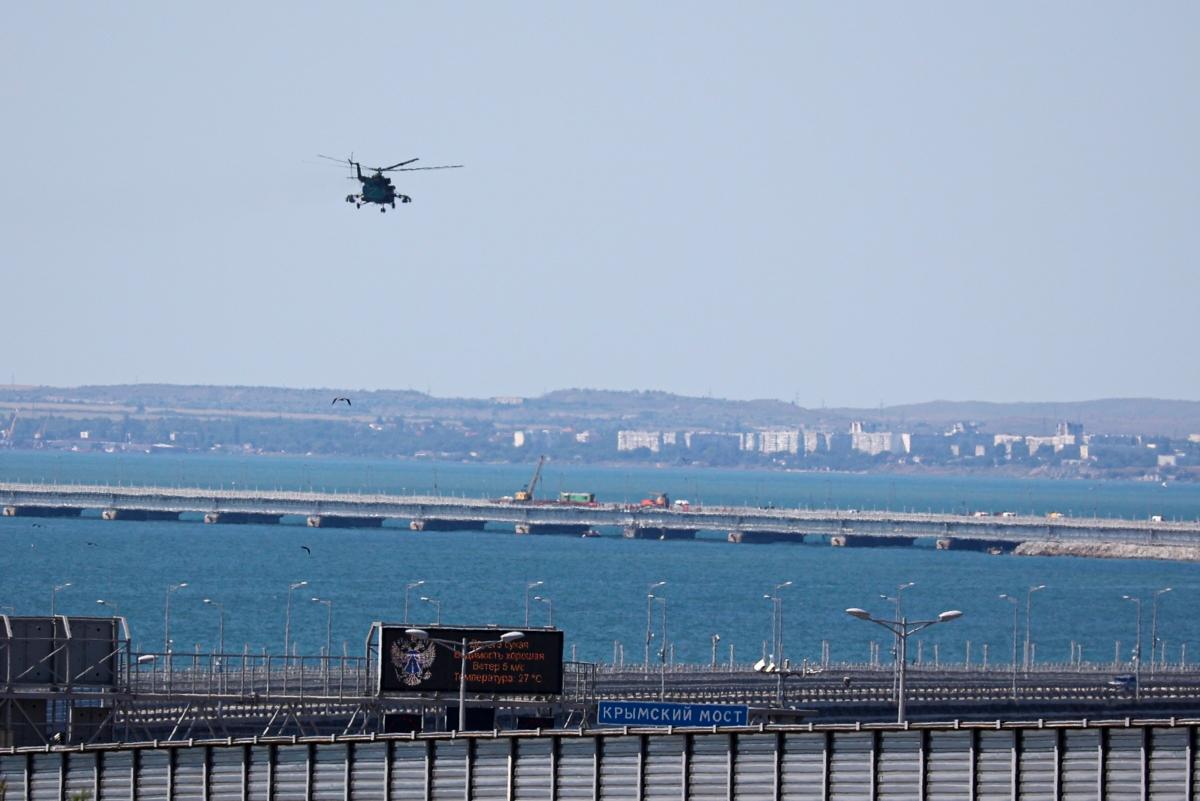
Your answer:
<point x="412" y="659"/>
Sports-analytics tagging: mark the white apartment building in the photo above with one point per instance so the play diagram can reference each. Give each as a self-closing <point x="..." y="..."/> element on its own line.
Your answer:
<point x="632" y="440"/>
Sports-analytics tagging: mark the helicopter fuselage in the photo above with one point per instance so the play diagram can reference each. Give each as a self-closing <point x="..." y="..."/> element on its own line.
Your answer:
<point x="377" y="188"/>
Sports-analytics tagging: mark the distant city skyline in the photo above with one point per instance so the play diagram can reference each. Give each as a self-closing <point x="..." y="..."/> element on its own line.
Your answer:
<point x="831" y="205"/>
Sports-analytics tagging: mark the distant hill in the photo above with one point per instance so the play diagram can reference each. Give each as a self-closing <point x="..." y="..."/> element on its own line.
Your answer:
<point x="1152" y="416"/>
<point x="632" y="409"/>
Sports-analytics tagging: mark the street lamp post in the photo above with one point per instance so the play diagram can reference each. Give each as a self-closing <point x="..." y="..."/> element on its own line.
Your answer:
<point x="1015" y="605"/>
<point x="465" y="650"/>
<point x="1028" y="615"/>
<point x="115" y="607"/>
<point x="649" y="620"/>
<point x="287" y="620"/>
<point x="549" y="603"/>
<point x="777" y="621"/>
<point x="167" y="616"/>
<point x="898" y="601"/>
<point x="436" y="604"/>
<point x="220" y="625"/>
<point x="1137" y="649"/>
<point x="328" y="625"/>
<point x="903" y="628"/>
<point x="54" y="593"/>
<point x="774" y="627"/>
<point x="529" y="585"/>
<point x="716" y="638"/>
<point x="412" y="585"/>
<point x="1154" y="627"/>
<point x="662" y="653"/>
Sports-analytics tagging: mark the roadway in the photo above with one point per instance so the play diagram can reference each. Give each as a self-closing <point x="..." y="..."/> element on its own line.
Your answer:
<point x="854" y="527"/>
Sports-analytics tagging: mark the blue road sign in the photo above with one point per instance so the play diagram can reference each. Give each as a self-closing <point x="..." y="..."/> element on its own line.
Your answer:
<point x="653" y="713"/>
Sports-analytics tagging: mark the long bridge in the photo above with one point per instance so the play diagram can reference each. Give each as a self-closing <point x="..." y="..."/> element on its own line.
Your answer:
<point x="840" y="527"/>
<point x="78" y="680"/>
<point x="82" y="716"/>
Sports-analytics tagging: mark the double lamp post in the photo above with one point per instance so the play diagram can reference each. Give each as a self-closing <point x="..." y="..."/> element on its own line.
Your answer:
<point x="903" y="628"/>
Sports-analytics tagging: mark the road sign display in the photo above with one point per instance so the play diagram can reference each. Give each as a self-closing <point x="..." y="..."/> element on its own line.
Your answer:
<point x="530" y="665"/>
<point x="656" y="713"/>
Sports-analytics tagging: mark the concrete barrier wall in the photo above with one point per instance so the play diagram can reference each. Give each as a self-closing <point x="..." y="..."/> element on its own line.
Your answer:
<point x="1151" y="761"/>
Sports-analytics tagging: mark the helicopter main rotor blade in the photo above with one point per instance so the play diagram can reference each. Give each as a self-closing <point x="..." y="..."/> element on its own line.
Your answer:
<point x="399" y="164"/>
<point x="331" y="158"/>
<point x="414" y="169"/>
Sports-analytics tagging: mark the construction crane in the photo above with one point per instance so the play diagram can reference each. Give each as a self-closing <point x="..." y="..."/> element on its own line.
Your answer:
<point x="527" y="493"/>
<point x="8" y="435"/>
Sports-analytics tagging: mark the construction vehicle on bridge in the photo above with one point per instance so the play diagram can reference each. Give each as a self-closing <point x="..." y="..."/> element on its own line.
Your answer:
<point x="8" y="435"/>
<point x="526" y="495"/>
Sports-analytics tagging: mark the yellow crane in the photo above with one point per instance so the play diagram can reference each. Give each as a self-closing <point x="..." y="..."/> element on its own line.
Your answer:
<point x="527" y="493"/>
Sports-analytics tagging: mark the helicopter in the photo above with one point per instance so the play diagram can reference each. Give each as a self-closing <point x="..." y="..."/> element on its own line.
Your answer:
<point x="377" y="187"/>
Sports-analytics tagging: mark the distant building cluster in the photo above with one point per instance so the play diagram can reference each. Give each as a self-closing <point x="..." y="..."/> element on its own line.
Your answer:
<point x="961" y="441"/>
<point x="520" y="430"/>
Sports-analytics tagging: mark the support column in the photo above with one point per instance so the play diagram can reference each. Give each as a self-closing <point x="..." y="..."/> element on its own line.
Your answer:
<point x="869" y="541"/>
<point x="658" y="533"/>
<point x="566" y="529"/>
<point x="242" y="518"/>
<point x="765" y="536"/>
<point x="437" y="524"/>
<point x="42" y="511"/>
<point x="960" y="544"/>
<point x="343" y="521"/>
<point x="137" y="514"/>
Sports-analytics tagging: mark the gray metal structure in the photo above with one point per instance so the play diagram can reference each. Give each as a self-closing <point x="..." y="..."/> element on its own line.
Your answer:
<point x="1120" y="760"/>
<point x="370" y="509"/>
<point x="77" y="680"/>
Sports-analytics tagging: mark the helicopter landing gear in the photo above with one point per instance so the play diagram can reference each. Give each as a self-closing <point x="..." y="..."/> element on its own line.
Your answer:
<point x="382" y="209"/>
<point x="393" y="204"/>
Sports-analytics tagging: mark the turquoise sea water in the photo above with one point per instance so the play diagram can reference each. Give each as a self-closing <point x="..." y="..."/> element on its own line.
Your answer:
<point x="598" y="586"/>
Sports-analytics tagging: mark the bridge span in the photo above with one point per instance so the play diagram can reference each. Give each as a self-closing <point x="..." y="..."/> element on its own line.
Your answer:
<point x="742" y="524"/>
<point x="1116" y="760"/>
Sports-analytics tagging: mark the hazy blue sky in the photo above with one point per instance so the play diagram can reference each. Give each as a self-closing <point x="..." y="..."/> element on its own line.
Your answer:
<point x="848" y="203"/>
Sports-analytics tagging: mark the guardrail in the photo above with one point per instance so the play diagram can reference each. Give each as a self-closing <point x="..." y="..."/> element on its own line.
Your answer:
<point x="1119" y="760"/>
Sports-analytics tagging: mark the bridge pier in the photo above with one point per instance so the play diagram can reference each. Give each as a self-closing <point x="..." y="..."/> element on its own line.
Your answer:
<point x="765" y="536"/>
<point x="568" y="529"/>
<point x="241" y="518"/>
<point x="438" y="524"/>
<point x="658" y="533"/>
<point x="42" y="511"/>
<point x="343" y="521"/>
<point x="961" y="544"/>
<point x="137" y="514"/>
<point x="865" y="541"/>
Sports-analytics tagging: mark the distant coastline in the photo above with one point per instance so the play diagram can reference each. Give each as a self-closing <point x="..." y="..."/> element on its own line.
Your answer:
<point x="1118" y="439"/>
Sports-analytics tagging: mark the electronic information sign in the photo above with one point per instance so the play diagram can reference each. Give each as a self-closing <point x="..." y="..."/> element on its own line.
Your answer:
<point x="531" y="665"/>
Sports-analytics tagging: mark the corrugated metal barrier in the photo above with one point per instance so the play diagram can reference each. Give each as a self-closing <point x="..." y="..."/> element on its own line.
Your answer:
<point x="1059" y="761"/>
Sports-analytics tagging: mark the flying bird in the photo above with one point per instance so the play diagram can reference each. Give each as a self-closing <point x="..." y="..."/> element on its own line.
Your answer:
<point x="347" y="400"/>
<point x="307" y="549"/>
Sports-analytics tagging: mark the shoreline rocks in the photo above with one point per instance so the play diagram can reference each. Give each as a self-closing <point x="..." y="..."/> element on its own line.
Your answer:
<point x="1111" y="550"/>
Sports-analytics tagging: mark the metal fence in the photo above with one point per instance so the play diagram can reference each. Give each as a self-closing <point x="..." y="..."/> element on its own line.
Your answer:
<point x="1115" y="761"/>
